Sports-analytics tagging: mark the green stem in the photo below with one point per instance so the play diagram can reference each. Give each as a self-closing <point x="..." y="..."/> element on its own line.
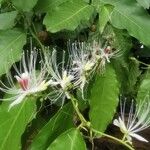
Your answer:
<point x="75" y="106"/>
<point x="36" y="38"/>
<point x="113" y="138"/>
<point x="86" y="124"/>
<point x="124" y="137"/>
<point x="132" y="58"/>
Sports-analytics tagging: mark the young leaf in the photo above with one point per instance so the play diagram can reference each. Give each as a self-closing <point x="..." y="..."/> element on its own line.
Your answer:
<point x="104" y="16"/>
<point x="11" y="44"/>
<point x="69" y="140"/>
<point x="68" y="16"/>
<point x="7" y="20"/>
<point x="103" y="99"/>
<point x="14" y="122"/>
<point x="24" y="5"/>
<point x="56" y="125"/>
<point x="130" y="16"/>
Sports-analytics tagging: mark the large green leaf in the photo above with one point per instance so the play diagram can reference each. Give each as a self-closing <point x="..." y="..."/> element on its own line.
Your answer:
<point x="103" y="99"/>
<point x="144" y="3"/>
<point x="11" y="44"/>
<point x="68" y="16"/>
<point x="48" y="5"/>
<point x="25" y="5"/>
<point x="7" y="20"/>
<point x="70" y="140"/>
<point x="132" y="17"/>
<point x="14" y="122"/>
<point x="56" y="125"/>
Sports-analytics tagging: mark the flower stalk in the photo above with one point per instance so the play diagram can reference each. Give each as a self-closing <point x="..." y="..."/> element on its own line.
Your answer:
<point x="87" y="126"/>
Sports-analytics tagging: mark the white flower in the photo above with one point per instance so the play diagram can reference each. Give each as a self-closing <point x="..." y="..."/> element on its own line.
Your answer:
<point x="83" y="63"/>
<point x="62" y="79"/>
<point x="30" y="81"/>
<point x="104" y="54"/>
<point x="138" y="120"/>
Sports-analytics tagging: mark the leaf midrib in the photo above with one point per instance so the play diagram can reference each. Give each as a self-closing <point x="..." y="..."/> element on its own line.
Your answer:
<point x="122" y="14"/>
<point x="69" y="17"/>
<point x="11" y="128"/>
<point x="12" y="43"/>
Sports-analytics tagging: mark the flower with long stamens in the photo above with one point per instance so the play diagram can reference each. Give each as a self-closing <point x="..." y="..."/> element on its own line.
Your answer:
<point x="61" y="80"/>
<point x="29" y="80"/>
<point x="83" y="63"/>
<point x="104" y="54"/>
<point x="138" y="120"/>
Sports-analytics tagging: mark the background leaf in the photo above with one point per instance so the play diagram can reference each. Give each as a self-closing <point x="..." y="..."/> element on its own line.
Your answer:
<point x="11" y="44"/>
<point x="24" y="5"/>
<point x="48" y="5"/>
<point x="60" y="122"/>
<point x="70" y="140"/>
<point x="7" y="20"/>
<point x="144" y="88"/>
<point x="144" y="3"/>
<point x="68" y="16"/>
<point x="130" y="16"/>
<point x="103" y="99"/>
<point x="14" y="122"/>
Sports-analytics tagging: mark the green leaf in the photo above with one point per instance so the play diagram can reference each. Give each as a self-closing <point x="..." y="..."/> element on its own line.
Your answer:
<point x="14" y="122"/>
<point x="104" y="15"/>
<point x="103" y="99"/>
<point x="48" y="5"/>
<point x="56" y="125"/>
<point x="11" y="44"/>
<point x="70" y="140"/>
<point x="144" y="88"/>
<point x="68" y="16"/>
<point x="24" y="5"/>
<point x="144" y="3"/>
<point x="7" y="20"/>
<point x="130" y="16"/>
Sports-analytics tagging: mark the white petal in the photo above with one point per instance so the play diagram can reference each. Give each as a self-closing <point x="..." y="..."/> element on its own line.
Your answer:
<point x="116" y="123"/>
<point x="53" y="83"/>
<point x="17" y="101"/>
<point x="138" y="137"/>
<point x="25" y="75"/>
<point x="122" y="125"/>
<point x="18" y="78"/>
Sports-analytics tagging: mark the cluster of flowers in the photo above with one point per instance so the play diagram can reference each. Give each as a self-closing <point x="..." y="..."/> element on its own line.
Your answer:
<point x="83" y="59"/>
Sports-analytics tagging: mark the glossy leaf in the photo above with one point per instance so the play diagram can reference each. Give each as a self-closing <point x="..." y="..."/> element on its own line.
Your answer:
<point x="70" y="140"/>
<point x="11" y="44"/>
<point x="7" y="20"/>
<point x="14" y="122"/>
<point x="48" y="5"/>
<point x="132" y="17"/>
<point x="56" y="125"/>
<point x="68" y="16"/>
<point x="103" y="99"/>
<point x="24" y="5"/>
